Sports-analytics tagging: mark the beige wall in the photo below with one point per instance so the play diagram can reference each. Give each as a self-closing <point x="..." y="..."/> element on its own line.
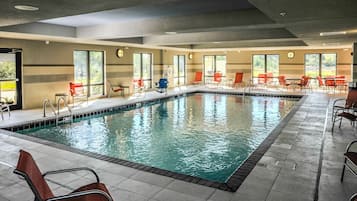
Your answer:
<point x="47" y="69"/>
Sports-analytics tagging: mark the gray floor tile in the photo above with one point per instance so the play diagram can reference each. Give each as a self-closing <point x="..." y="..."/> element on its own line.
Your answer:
<point x="191" y="189"/>
<point x="169" y="195"/>
<point x="140" y="188"/>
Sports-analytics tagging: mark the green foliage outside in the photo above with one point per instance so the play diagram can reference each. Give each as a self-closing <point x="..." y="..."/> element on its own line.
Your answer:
<point x="8" y="71"/>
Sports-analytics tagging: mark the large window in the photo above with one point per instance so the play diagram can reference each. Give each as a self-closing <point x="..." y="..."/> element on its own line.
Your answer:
<point x="143" y="68"/>
<point x="179" y="70"/>
<point x="263" y="63"/>
<point x="323" y="65"/>
<point x="213" y="64"/>
<point x="89" y="70"/>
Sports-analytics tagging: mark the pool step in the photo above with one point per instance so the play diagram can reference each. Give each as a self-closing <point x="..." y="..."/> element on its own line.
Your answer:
<point x="64" y="119"/>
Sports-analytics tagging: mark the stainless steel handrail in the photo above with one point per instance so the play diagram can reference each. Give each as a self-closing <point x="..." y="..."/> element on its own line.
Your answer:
<point x="45" y="102"/>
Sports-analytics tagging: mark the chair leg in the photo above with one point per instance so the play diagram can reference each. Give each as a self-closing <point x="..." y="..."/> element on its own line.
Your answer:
<point x="340" y="122"/>
<point x="343" y="170"/>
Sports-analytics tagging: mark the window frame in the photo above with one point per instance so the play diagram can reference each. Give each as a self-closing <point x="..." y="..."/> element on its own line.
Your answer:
<point x="265" y="63"/>
<point x="177" y="70"/>
<point x="214" y="65"/>
<point x="320" y="63"/>
<point x="88" y="85"/>
<point x="150" y="80"/>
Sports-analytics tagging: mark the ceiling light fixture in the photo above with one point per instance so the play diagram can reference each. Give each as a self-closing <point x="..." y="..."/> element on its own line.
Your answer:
<point x="26" y="8"/>
<point x="283" y="14"/>
<point x="170" y="32"/>
<point x="216" y="42"/>
<point x="333" y="33"/>
<point x="330" y="44"/>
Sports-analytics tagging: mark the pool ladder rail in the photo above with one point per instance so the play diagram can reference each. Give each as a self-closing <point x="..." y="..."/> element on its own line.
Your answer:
<point x="46" y="102"/>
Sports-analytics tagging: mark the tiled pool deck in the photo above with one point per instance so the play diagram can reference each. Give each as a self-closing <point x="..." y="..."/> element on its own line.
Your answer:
<point x="288" y="171"/>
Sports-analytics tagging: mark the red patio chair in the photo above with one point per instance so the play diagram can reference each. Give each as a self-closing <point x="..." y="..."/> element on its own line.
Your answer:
<point x="330" y="82"/>
<point x="321" y="82"/>
<point x="304" y="83"/>
<point x="269" y="78"/>
<point x="139" y="85"/>
<point x="282" y="81"/>
<point x="27" y="168"/>
<point x="262" y="78"/>
<point x="340" y="82"/>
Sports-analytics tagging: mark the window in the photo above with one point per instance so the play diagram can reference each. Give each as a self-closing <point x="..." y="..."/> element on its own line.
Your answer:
<point x="179" y="70"/>
<point x="263" y="63"/>
<point x="89" y="70"/>
<point x="214" y="63"/>
<point x="143" y="68"/>
<point x="323" y="65"/>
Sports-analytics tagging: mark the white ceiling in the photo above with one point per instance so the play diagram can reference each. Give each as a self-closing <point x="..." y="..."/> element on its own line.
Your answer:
<point x="200" y="24"/>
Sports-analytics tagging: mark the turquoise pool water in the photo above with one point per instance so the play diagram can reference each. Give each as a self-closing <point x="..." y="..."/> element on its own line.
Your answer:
<point x="202" y="135"/>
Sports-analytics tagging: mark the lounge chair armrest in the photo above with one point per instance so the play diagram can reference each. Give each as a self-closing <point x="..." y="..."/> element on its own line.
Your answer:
<point x="354" y="197"/>
<point x="338" y="100"/>
<point x="82" y="193"/>
<point x="352" y="147"/>
<point x="72" y="170"/>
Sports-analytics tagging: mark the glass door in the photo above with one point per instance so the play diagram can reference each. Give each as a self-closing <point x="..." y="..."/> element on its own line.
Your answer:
<point x="89" y="70"/>
<point x="179" y="70"/>
<point x="142" y="68"/>
<point x="10" y="78"/>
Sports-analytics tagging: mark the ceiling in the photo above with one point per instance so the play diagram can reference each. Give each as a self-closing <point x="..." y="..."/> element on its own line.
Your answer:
<point x="193" y="24"/>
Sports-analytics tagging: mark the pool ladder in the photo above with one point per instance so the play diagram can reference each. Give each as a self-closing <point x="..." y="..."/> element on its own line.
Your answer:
<point x="46" y="102"/>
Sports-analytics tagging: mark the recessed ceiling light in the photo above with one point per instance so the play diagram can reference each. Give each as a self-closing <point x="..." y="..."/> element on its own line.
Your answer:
<point x="216" y="42"/>
<point x="333" y="33"/>
<point x="26" y="8"/>
<point x="330" y="44"/>
<point x="170" y="32"/>
<point x="283" y="14"/>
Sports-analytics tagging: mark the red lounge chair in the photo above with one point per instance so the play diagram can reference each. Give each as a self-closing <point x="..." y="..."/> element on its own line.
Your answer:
<point x="217" y="78"/>
<point x="27" y="168"/>
<point x="77" y="91"/>
<point x="114" y="89"/>
<point x="238" y="80"/>
<point x="198" y="78"/>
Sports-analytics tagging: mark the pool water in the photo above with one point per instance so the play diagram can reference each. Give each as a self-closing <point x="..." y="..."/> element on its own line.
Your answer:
<point x="202" y="135"/>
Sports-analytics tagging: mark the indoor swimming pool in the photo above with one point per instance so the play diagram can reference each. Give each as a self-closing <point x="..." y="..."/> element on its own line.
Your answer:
<point x="204" y="135"/>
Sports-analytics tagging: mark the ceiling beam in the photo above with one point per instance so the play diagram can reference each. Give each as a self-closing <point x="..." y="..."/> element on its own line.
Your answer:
<point x="204" y="37"/>
<point x="42" y="28"/>
<point x="182" y="24"/>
